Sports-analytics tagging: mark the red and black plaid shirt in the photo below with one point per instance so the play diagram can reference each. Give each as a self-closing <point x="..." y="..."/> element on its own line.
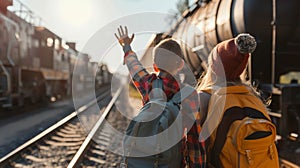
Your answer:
<point x="195" y="152"/>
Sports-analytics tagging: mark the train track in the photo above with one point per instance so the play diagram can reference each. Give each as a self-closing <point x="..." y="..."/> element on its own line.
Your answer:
<point x="96" y="150"/>
<point x="67" y="144"/>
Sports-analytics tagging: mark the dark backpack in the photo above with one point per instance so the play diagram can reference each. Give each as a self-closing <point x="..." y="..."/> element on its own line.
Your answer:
<point x="153" y="137"/>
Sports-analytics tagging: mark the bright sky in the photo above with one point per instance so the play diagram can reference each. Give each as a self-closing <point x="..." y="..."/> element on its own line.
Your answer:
<point x="81" y="20"/>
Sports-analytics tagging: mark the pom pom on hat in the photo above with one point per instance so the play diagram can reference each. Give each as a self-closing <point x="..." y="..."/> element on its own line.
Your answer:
<point x="245" y="43"/>
<point x="234" y="54"/>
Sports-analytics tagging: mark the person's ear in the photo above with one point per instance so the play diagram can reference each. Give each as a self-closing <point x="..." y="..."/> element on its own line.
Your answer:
<point x="155" y="67"/>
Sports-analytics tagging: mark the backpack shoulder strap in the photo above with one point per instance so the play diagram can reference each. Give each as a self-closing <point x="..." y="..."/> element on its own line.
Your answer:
<point x="204" y="98"/>
<point x="182" y="94"/>
<point x="158" y="83"/>
<point x="157" y="87"/>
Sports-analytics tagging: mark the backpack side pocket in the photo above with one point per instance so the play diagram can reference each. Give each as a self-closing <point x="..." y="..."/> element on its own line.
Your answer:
<point x="255" y="142"/>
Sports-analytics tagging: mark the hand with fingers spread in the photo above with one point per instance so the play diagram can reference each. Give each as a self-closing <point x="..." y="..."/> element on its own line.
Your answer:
<point x="123" y="39"/>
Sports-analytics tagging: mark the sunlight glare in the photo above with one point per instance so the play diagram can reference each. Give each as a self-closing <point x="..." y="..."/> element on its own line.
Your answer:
<point x="75" y="12"/>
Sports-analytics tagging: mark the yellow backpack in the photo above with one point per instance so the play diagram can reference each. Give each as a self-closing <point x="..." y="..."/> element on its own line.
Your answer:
<point x="245" y="136"/>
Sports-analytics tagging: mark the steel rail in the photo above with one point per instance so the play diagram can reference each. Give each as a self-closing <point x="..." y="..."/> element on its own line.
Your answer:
<point x="4" y="160"/>
<point x="77" y="157"/>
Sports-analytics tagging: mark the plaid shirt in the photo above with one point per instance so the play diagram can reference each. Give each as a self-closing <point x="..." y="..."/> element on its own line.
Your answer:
<point x="194" y="151"/>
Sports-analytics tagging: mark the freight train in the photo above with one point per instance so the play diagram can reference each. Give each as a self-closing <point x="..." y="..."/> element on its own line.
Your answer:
<point x="36" y="64"/>
<point x="275" y="24"/>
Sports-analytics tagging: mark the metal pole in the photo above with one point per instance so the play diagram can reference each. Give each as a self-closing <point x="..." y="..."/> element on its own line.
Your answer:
<point x="273" y="42"/>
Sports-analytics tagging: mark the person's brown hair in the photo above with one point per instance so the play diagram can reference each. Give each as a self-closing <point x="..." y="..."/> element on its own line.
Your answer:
<point x="167" y="55"/>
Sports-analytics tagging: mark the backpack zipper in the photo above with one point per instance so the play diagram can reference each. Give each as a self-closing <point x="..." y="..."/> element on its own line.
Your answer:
<point x="234" y="139"/>
<point x="249" y="157"/>
<point x="271" y="152"/>
<point x="248" y="121"/>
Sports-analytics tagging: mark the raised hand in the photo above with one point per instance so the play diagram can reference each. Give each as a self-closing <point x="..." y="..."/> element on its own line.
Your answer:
<point x="123" y="38"/>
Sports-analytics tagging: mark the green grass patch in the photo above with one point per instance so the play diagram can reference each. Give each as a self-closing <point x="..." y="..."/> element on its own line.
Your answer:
<point x="133" y="92"/>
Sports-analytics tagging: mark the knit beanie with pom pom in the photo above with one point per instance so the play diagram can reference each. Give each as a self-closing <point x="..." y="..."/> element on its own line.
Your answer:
<point x="234" y="54"/>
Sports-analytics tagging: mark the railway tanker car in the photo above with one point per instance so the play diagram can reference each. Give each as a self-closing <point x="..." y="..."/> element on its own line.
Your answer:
<point x="276" y="26"/>
<point x="36" y="64"/>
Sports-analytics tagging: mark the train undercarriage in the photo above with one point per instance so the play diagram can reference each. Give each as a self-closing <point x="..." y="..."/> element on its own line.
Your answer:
<point x="22" y="86"/>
